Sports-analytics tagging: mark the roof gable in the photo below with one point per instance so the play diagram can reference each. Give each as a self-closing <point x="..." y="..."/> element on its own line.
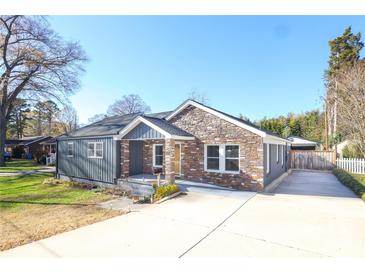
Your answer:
<point x="219" y="114"/>
<point x="143" y="131"/>
<point x="159" y="126"/>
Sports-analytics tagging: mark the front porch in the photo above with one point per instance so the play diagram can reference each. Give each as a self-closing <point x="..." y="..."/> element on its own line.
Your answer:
<point x="146" y="178"/>
<point x="148" y="144"/>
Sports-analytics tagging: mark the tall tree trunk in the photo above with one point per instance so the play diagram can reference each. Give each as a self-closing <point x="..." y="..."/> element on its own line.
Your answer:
<point x="2" y="137"/>
<point x="49" y="126"/>
<point x="17" y="126"/>
<point x="39" y="125"/>
<point x="20" y="131"/>
<point x="325" y="127"/>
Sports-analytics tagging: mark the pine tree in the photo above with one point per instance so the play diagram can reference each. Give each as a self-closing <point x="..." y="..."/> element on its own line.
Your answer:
<point x="344" y="51"/>
<point x="18" y="118"/>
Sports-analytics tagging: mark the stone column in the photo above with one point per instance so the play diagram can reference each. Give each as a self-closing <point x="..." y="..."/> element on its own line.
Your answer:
<point x="170" y="160"/>
<point x="124" y="158"/>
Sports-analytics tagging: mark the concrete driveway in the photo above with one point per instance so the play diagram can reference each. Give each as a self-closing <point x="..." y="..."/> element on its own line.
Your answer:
<point x="310" y="215"/>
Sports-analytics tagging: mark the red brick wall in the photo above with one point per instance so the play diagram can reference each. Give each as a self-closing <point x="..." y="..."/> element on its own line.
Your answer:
<point x="148" y="155"/>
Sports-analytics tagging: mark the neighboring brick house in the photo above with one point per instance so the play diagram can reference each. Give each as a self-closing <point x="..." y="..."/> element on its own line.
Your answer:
<point x="194" y="142"/>
<point x="29" y="146"/>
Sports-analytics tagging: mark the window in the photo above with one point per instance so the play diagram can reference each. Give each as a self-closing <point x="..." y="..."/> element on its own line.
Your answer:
<point x="277" y="153"/>
<point x="282" y="155"/>
<point x="95" y="150"/>
<point x="222" y="158"/>
<point x="157" y="155"/>
<point x="267" y="158"/>
<point x="232" y="158"/>
<point x="213" y="157"/>
<point x="70" y="149"/>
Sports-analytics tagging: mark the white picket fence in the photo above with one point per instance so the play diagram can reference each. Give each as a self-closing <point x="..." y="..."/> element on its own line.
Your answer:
<point x="351" y="165"/>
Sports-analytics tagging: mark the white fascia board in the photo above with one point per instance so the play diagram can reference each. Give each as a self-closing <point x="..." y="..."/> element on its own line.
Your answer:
<point x="187" y="138"/>
<point x="139" y="120"/>
<point x="85" y="137"/>
<point x="218" y="114"/>
<point x="269" y="139"/>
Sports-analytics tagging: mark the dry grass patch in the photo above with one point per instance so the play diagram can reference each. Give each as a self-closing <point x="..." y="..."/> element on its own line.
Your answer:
<point x="39" y="222"/>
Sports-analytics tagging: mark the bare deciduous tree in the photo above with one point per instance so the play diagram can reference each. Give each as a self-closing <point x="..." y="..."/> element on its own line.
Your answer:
<point x="350" y="96"/>
<point x="34" y="62"/>
<point x="198" y="97"/>
<point x="97" y="118"/>
<point x="131" y="103"/>
<point x="68" y="118"/>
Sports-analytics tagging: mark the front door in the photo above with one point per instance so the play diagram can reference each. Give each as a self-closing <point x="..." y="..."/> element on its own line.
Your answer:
<point x="135" y="157"/>
<point x="177" y="160"/>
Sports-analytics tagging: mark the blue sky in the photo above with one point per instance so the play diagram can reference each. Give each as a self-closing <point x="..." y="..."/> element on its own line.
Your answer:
<point x="255" y="65"/>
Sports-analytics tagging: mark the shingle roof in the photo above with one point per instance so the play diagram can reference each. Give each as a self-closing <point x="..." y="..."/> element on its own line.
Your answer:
<point x="25" y="140"/>
<point x="52" y="140"/>
<point x="110" y="125"/>
<point x="166" y="126"/>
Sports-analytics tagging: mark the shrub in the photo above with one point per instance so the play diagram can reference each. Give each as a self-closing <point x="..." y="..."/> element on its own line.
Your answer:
<point x="53" y="181"/>
<point x="166" y="190"/>
<point x="352" y="182"/>
<point x="351" y="151"/>
<point x="17" y="152"/>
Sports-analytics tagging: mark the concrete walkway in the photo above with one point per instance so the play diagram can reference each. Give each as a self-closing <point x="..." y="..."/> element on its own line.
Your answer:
<point x="310" y="215"/>
<point x="22" y="173"/>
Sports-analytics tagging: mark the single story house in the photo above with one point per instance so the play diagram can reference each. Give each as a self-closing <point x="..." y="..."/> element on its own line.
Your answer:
<point x="29" y="146"/>
<point x="193" y="142"/>
<point x="299" y="143"/>
<point x="49" y="145"/>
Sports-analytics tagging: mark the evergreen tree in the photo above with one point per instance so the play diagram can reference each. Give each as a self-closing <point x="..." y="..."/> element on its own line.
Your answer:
<point x="18" y="118"/>
<point x="345" y="50"/>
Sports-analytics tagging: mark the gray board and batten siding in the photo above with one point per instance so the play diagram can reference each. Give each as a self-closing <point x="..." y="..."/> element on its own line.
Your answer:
<point x="276" y="167"/>
<point x="80" y="166"/>
<point x="142" y="132"/>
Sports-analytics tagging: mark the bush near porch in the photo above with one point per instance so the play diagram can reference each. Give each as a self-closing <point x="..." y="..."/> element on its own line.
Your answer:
<point x="165" y="190"/>
<point x="356" y="182"/>
<point x="32" y="209"/>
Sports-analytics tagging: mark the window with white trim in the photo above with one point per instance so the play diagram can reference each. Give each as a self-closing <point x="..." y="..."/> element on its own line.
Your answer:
<point x="282" y="155"/>
<point x="212" y="156"/>
<point x="157" y="155"/>
<point x="222" y="158"/>
<point x="70" y="149"/>
<point x="267" y="158"/>
<point x="95" y="150"/>
<point x="277" y="153"/>
<point x="232" y="158"/>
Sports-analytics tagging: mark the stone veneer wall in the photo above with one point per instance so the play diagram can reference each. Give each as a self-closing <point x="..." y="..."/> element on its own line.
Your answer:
<point x="210" y="129"/>
<point x="124" y="161"/>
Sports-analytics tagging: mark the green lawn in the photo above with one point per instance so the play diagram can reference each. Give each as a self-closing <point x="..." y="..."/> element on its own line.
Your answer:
<point x="31" y="210"/>
<point x="355" y="182"/>
<point x="19" y="191"/>
<point x="19" y="166"/>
